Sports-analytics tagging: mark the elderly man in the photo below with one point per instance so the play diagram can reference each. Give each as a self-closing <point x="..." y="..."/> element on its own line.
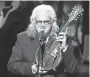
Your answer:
<point x="42" y="30"/>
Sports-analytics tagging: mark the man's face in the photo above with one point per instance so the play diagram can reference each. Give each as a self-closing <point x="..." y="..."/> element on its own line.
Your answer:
<point x="43" y="22"/>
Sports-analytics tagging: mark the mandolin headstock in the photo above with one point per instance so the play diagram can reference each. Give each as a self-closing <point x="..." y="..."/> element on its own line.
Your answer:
<point x="76" y="13"/>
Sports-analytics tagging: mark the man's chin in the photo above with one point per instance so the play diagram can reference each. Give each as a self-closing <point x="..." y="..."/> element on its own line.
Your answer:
<point x="45" y="31"/>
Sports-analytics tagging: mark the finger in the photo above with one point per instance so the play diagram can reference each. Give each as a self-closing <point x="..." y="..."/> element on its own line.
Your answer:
<point x="34" y="68"/>
<point x="60" y="40"/>
<point x="40" y="68"/>
<point x="60" y="37"/>
<point x="34" y="71"/>
<point x="42" y="71"/>
<point x="62" y="33"/>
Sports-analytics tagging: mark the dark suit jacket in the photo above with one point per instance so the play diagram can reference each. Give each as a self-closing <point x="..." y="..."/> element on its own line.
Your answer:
<point x="23" y="56"/>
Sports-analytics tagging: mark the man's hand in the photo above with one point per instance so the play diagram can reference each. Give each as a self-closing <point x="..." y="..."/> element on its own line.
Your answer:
<point x="62" y="39"/>
<point x="35" y="68"/>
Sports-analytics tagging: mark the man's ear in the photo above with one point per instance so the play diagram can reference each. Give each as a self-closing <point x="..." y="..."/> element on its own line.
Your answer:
<point x="33" y="21"/>
<point x="52" y="21"/>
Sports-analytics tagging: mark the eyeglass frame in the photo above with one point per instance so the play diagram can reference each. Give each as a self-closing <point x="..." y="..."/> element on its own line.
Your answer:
<point x="46" y="22"/>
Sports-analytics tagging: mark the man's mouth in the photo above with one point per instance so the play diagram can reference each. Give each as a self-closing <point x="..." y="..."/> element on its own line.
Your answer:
<point x="43" y="28"/>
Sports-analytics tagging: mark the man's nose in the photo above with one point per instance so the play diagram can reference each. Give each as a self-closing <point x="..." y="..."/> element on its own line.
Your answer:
<point x="42" y="24"/>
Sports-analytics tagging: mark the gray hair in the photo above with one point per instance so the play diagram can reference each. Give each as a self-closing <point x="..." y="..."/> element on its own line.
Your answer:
<point x="31" y="31"/>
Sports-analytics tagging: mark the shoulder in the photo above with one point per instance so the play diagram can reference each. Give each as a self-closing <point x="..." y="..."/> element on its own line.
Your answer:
<point x="22" y="35"/>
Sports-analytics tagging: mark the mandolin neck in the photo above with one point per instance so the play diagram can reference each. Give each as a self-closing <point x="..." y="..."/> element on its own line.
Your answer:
<point x="65" y="26"/>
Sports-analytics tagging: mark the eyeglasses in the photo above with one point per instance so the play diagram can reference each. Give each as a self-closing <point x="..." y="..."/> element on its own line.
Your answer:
<point x="46" y="22"/>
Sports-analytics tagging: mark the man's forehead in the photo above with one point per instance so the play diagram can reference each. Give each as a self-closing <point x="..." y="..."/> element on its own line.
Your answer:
<point x="42" y="16"/>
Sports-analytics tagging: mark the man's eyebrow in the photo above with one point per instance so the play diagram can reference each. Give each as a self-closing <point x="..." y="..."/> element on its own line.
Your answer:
<point x="47" y="20"/>
<point x="42" y="21"/>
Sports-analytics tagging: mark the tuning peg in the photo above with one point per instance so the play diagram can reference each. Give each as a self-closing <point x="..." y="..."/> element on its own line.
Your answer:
<point x="80" y="5"/>
<point x="70" y="13"/>
<point x="78" y="15"/>
<point x="72" y="8"/>
<point x="76" y="19"/>
<point x="81" y="14"/>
